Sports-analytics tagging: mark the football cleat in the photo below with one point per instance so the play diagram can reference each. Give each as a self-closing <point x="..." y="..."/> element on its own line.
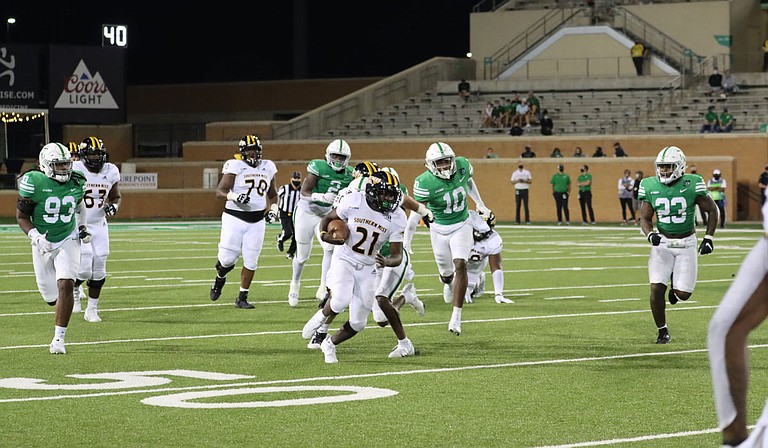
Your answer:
<point x="329" y="351"/>
<point x="663" y="336"/>
<point x="218" y="285"/>
<point x="92" y="315"/>
<point x="293" y="294"/>
<point x="403" y="351"/>
<point x="242" y="301"/>
<point x="57" y="347"/>
<point x="409" y="292"/>
<point x="317" y="339"/>
<point x="313" y="324"/>
<point x="454" y="326"/>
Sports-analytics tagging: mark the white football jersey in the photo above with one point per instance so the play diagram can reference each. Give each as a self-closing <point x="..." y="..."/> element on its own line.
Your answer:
<point x="354" y="186"/>
<point x="253" y="181"/>
<point x="368" y="230"/>
<point x="491" y="245"/>
<point x="97" y="187"/>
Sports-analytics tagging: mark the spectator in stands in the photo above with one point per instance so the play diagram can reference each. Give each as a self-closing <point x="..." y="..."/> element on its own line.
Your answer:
<point x="726" y="121"/>
<point x="578" y="152"/>
<point x="488" y="120"/>
<point x="464" y="90"/>
<point x="489" y="154"/>
<point x="535" y="105"/>
<point x="618" y="151"/>
<point x="729" y="83"/>
<point x="556" y="153"/>
<point x="528" y="153"/>
<point x="599" y="152"/>
<point x="507" y="113"/>
<point x="711" y="121"/>
<point x="715" y="82"/>
<point x="498" y="109"/>
<point x="638" y="57"/>
<point x="547" y="125"/>
<point x="523" y="114"/>
<point x="762" y="182"/>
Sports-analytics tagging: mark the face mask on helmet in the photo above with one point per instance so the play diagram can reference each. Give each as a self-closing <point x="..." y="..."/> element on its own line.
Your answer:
<point x="670" y="164"/>
<point x="441" y="160"/>
<point x="250" y="150"/>
<point x="56" y="162"/>
<point x="491" y="221"/>
<point x="383" y="192"/>
<point x="93" y="154"/>
<point x="337" y="154"/>
<point x="365" y="169"/>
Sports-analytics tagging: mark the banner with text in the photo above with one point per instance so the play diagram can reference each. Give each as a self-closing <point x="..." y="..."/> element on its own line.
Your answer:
<point x="138" y="181"/>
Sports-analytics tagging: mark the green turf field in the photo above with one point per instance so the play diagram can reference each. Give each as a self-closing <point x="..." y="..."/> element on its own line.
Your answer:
<point x="572" y="363"/>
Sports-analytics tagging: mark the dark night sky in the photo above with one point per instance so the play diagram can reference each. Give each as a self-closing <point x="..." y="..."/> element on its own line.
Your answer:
<point x="180" y="43"/>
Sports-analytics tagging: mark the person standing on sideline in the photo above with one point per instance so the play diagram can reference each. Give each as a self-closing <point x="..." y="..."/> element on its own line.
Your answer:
<point x="762" y="182"/>
<point x="670" y="196"/>
<point x="765" y="55"/>
<point x="51" y="212"/>
<point x="288" y="197"/>
<point x="635" y="202"/>
<point x="561" y="189"/>
<point x="521" y="179"/>
<point x="716" y="187"/>
<point x="325" y="178"/>
<point x="638" y="57"/>
<point x="626" y="184"/>
<point x="699" y="212"/>
<point x="444" y="189"/>
<point x="741" y="311"/>
<point x="584" y="181"/>
<point x="246" y="184"/>
<point x="102" y="198"/>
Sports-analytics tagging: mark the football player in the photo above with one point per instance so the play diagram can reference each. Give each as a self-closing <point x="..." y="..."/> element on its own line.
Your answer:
<point x="324" y="180"/>
<point x="671" y="196"/>
<point x="49" y="199"/>
<point x="742" y="309"/>
<point x="374" y="218"/>
<point x="102" y="199"/>
<point x="248" y="186"/>
<point x="444" y="189"/>
<point x="486" y="250"/>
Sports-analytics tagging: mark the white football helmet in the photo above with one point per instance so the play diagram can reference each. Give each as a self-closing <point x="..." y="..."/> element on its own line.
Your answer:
<point x="56" y="162"/>
<point x="392" y="171"/>
<point x="338" y="147"/>
<point x="673" y="159"/>
<point x="439" y="152"/>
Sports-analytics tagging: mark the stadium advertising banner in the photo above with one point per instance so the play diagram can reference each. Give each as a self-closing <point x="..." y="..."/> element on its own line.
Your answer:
<point x="86" y="85"/>
<point x="20" y="83"/>
<point x="138" y="181"/>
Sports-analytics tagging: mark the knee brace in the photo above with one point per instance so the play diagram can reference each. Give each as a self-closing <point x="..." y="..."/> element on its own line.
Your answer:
<point x="97" y="283"/>
<point x="447" y="280"/>
<point x="78" y="282"/>
<point x="221" y="270"/>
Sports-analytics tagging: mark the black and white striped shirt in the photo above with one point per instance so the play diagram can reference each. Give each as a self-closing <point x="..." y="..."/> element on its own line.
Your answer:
<point x="288" y="197"/>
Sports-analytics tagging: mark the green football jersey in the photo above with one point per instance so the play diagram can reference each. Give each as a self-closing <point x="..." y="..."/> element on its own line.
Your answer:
<point x="55" y="203"/>
<point x="446" y="198"/>
<point x="675" y="203"/>
<point x="329" y="181"/>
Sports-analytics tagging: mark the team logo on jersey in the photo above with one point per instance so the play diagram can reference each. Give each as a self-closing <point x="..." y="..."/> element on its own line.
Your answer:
<point x="462" y="171"/>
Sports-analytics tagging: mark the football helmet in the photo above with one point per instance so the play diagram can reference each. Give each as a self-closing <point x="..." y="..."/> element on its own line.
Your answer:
<point x="441" y="160"/>
<point x="490" y="219"/>
<point x="383" y="192"/>
<point x="338" y="147"/>
<point x="672" y="160"/>
<point x="56" y="162"/>
<point x="365" y="169"/>
<point x="250" y="143"/>
<point x="389" y="169"/>
<point x="93" y="153"/>
<point x="74" y="150"/>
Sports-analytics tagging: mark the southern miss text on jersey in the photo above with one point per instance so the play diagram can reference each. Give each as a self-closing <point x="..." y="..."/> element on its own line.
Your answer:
<point x="675" y="203"/>
<point x="55" y="203"/>
<point x="368" y="229"/>
<point x="97" y="187"/>
<point x="447" y="198"/>
<point x="328" y="180"/>
<point x="253" y="181"/>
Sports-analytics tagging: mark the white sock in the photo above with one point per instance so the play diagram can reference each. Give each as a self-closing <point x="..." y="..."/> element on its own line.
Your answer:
<point x="59" y="332"/>
<point x="93" y="303"/>
<point x="243" y="289"/>
<point x="403" y="342"/>
<point x="457" y="312"/>
<point x="498" y="282"/>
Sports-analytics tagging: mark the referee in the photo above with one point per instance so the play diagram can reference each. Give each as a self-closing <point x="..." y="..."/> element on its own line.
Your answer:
<point x="287" y="198"/>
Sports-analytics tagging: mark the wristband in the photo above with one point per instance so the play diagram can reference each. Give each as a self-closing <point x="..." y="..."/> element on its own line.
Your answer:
<point x="422" y="210"/>
<point x="33" y="233"/>
<point x="708" y="237"/>
<point x="232" y="196"/>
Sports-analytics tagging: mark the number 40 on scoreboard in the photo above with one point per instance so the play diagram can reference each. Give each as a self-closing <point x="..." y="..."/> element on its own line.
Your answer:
<point x="114" y="36"/>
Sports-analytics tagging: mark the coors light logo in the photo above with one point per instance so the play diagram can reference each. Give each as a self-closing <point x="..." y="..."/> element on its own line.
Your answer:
<point x="83" y="91"/>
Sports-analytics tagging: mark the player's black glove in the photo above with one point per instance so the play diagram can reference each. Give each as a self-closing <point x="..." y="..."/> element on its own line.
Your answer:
<point x="654" y="238"/>
<point x="84" y="234"/>
<point x="241" y="198"/>
<point x="707" y="246"/>
<point x="110" y="209"/>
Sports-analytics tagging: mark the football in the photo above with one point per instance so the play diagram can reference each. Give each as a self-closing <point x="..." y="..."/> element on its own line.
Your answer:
<point x="338" y="229"/>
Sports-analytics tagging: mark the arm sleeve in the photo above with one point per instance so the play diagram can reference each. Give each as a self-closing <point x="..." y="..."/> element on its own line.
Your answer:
<point x="80" y="219"/>
<point x="410" y="228"/>
<point x="474" y="193"/>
